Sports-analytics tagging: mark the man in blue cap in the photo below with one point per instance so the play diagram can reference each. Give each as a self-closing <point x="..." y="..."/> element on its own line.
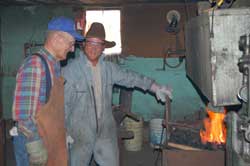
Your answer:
<point x="36" y="78"/>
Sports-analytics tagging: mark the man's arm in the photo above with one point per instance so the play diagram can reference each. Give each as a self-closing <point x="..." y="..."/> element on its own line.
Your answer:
<point x="69" y="96"/>
<point x="129" y="79"/>
<point x="132" y="79"/>
<point x="26" y="98"/>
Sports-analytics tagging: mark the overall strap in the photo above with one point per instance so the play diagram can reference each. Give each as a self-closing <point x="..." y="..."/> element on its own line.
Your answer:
<point x="48" y="77"/>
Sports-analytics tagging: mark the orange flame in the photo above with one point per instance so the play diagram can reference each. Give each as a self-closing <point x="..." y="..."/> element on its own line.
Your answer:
<point x="215" y="130"/>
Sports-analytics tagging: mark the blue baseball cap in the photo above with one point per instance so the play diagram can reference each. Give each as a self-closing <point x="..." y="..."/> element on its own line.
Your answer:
<point x="66" y="25"/>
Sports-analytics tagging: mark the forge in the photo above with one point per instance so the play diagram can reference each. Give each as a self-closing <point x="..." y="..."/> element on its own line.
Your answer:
<point x="218" y="66"/>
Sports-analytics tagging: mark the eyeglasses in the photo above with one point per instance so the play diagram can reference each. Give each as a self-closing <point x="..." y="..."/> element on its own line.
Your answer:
<point x="95" y="43"/>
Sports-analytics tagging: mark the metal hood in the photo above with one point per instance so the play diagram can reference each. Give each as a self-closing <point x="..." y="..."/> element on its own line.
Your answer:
<point x="212" y="53"/>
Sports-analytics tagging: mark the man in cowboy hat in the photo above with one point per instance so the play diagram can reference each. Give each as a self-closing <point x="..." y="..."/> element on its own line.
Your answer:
<point x="88" y="96"/>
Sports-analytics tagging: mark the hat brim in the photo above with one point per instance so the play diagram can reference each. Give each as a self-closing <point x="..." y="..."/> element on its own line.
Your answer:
<point x="109" y="44"/>
<point x="77" y="36"/>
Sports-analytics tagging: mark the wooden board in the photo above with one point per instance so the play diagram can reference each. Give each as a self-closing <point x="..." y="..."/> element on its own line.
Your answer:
<point x="193" y="158"/>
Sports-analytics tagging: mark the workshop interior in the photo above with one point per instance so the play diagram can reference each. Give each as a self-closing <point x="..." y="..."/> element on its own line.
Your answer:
<point x="200" y="48"/>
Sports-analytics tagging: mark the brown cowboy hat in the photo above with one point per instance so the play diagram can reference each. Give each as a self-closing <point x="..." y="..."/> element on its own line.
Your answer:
<point x="97" y="30"/>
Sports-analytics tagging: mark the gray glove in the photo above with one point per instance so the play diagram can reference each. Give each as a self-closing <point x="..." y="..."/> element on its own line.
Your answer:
<point x="161" y="91"/>
<point x="37" y="153"/>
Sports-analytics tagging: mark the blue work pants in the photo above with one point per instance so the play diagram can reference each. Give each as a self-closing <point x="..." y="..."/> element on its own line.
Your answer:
<point x="21" y="155"/>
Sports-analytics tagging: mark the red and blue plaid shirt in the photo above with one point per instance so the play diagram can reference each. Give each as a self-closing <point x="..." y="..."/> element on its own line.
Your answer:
<point x="30" y="92"/>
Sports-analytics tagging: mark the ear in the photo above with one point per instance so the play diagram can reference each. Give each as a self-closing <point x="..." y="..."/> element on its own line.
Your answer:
<point x="54" y="40"/>
<point x="58" y="38"/>
<point x="57" y="41"/>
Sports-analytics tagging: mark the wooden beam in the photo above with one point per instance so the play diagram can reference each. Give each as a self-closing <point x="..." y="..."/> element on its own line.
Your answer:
<point x="182" y="147"/>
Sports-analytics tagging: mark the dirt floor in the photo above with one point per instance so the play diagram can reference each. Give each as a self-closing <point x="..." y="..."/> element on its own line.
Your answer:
<point x="147" y="156"/>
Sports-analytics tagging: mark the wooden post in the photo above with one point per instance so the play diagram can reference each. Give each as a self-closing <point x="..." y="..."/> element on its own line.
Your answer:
<point x="125" y="100"/>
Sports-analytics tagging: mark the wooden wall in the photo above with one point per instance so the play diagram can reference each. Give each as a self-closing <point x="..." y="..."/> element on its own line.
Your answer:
<point x="143" y="27"/>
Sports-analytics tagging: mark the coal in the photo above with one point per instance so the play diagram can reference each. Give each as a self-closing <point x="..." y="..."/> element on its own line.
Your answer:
<point x="190" y="138"/>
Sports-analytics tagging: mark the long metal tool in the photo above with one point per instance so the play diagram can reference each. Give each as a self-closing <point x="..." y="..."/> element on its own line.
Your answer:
<point x="167" y="117"/>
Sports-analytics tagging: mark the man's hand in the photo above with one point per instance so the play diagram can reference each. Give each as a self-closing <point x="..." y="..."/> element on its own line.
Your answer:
<point x="161" y="91"/>
<point x="38" y="154"/>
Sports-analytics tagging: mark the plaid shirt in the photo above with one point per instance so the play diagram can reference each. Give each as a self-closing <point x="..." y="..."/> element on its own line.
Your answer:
<point x="30" y="92"/>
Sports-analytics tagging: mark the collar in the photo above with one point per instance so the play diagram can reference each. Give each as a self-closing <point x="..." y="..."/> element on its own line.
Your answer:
<point x="87" y="62"/>
<point x="50" y="58"/>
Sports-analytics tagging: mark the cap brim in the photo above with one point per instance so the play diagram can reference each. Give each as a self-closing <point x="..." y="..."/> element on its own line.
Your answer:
<point x="77" y="36"/>
<point x="109" y="44"/>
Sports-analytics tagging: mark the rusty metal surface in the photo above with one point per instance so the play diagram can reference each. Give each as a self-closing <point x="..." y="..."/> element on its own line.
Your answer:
<point x="167" y="116"/>
<point x="193" y="158"/>
<point x="211" y="58"/>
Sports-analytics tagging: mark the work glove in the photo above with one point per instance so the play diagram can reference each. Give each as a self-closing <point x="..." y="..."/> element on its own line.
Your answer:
<point x="161" y="91"/>
<point x="38" y="154"/>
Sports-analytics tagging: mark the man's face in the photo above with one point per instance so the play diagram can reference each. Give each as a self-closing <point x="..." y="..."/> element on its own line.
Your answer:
<point x="93" y="49"/>
<point x="66" y="43"/>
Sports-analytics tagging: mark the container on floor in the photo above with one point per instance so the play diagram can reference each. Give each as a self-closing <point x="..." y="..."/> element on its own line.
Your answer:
<point x="134" y="144"/>
<point x="157" y="133"/>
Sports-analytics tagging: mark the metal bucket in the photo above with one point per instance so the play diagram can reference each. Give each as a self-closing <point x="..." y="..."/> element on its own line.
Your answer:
<point x="134" y="144"/>
<point x="157" y="133"/>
